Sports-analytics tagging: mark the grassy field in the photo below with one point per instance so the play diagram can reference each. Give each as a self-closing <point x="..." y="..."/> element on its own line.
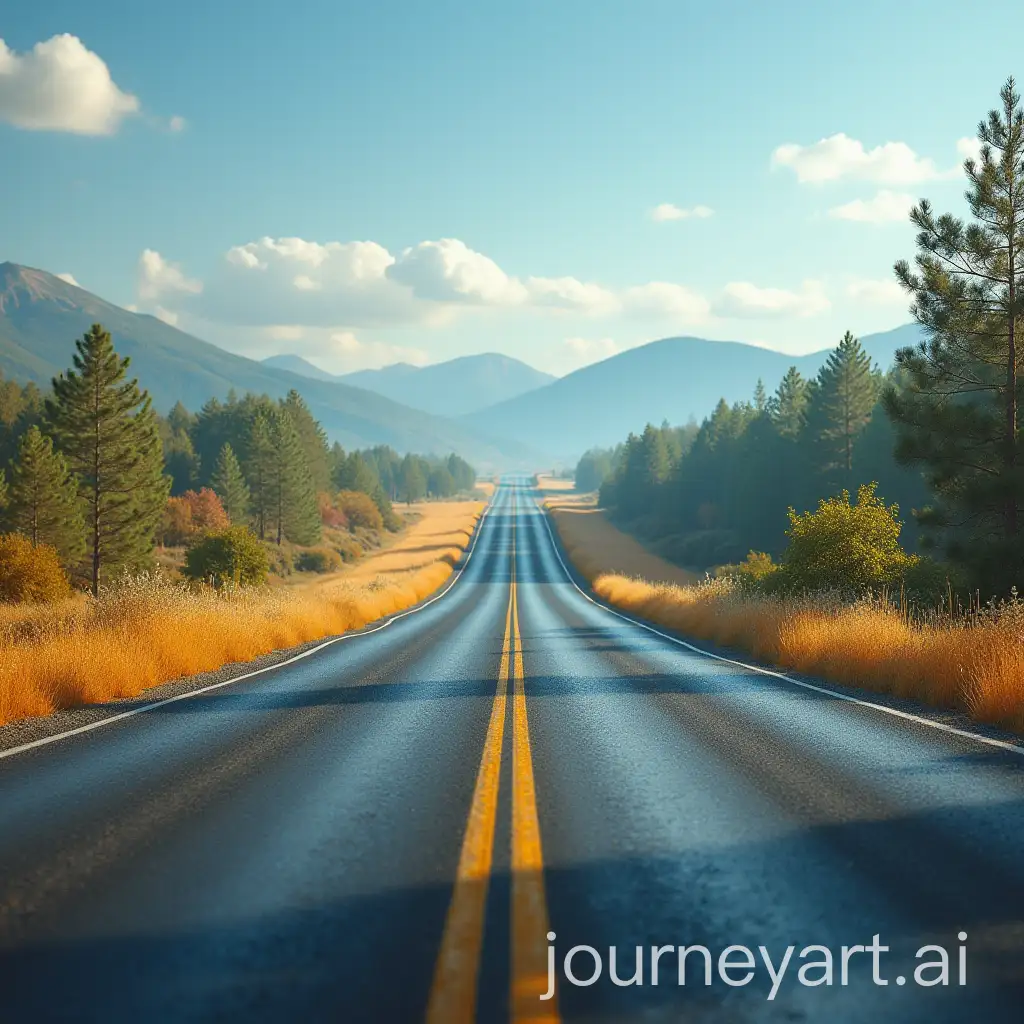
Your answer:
<point x="86" y="651"/>
<point x="975" y="665"/>
<point x="597" y="548"/>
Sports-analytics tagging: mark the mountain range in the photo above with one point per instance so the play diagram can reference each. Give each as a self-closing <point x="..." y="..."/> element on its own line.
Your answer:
<point x="498" y="412"/>
<point x="41" y="316"/>
<point x="672" y="379"/>
<point x="456" y="387"/>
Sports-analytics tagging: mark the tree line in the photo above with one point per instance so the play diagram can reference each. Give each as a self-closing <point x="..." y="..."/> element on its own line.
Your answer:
<point x="939" y="433"/>
<point x="709" y="493"/>
<point x="91" y="470"/>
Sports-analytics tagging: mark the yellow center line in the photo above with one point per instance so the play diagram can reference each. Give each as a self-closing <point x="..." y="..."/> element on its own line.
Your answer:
<point x="454" y="990"/>
<point x="453" y="994"/>
<point x="529" y="903"/>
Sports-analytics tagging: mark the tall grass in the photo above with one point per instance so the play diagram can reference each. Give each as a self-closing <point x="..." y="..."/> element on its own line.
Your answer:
<point x="148" y="630"/>
<point x="974" y="664"/>
<point x="597" y="547"/>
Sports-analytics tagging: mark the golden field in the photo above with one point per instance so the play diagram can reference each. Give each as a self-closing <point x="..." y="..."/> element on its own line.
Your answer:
<point x="598" y="548"/>
<point x="975" y="665"/>
<point x="85" y="651"/>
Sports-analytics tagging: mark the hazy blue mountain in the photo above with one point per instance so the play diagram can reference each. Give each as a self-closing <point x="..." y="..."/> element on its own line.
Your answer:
<point x="42" y="316"/>
<point x="458" y="386"/>
<point x="296" y="364"/>
<point x="673" y="379"/>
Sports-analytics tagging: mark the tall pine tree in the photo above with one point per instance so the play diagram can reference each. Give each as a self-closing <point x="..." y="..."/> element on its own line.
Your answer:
<point x="283" y="500"/>
<point x="259" y="471"/>
<point x="957" y="413"/>
<point x="105" y="426"/>
<point x="788" y="404"/>
<point x="312" y="440"/>
<point x="44" y="503"/>
<point x="229" y="485"/>
<point x="295" y="509"/>
<point x="847" y="388"/>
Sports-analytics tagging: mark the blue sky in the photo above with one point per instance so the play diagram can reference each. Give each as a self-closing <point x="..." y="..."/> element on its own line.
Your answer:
<point x="366" y="182"/>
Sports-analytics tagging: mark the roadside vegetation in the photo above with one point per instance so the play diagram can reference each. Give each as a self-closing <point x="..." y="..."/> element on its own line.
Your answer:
<point x="842" y="590"/>
<point x="121" y="532"/>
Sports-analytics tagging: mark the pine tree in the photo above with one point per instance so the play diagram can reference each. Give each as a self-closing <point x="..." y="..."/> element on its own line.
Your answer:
<point x="788" y="404"/>
<point x="283" y="501"/>
<point x="760" y="397"/>
<point x="957" y="413"/>
<point x="230" y="486"/>
<point x="312" y="440"/>
<point x="44" y="503"/>
<point x="413" y="481"/>
<point x="106" y="428"/>
<point x="355" y="474"/>
<point x="259" y="471"/>
<point x="296" y="512"/>
<point x="3" y="491"/>
<point x="846" y="393"/>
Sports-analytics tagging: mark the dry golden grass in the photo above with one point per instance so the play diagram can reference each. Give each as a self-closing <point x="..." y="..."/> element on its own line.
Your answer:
<point x="82" y="651"/>
<point x="973" y="665"/>
<point x="553" y="484"/>
<point x="596" y="547"/>
<point x="439" y="535"/>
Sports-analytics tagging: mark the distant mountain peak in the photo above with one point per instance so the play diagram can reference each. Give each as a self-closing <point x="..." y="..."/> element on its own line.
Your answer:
<point x="19" y="285"/>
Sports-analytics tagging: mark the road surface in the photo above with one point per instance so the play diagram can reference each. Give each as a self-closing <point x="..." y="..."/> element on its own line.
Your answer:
<point x="390" y="828"/>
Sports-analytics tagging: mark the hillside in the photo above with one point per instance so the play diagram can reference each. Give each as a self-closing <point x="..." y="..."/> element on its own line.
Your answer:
<point x="41" y="316"/>
<point x="672" y="379"/>
<point x="456" y="387"/>
<point x="296" y="364"/>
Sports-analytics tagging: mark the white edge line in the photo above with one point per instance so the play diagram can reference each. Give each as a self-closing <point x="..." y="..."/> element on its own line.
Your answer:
<point x="941" y="726"/>
<point x="43" y="741"/>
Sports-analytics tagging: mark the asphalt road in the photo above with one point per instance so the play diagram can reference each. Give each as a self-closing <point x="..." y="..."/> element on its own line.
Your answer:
<point x="387" y="829"/>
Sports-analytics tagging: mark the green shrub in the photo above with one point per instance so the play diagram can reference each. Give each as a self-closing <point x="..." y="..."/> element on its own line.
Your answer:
<point x="234" y="555"/>
<point x="318" y="560"/>
<point x="30" y="574"/>
<point x="844" y="546"/>
<point x="751" y="572"/>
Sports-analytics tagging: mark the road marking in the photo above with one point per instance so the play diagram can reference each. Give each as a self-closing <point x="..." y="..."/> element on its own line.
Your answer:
<point x="43" y="741"/>
<point x="1012" y="748"/>
<point x="529" y="903"/>
<point x="454" y="991"/>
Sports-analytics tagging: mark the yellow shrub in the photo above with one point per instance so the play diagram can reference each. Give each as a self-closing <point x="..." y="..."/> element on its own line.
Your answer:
<point x="30" y="573"/>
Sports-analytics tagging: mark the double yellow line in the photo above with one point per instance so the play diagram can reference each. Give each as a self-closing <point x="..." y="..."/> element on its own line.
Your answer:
<point x="453" y="996"/>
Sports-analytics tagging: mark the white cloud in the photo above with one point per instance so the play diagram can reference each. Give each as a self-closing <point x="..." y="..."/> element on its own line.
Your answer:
<point x="59" y="85"/>
<point x="669" y="211"/>
<point x="449" y="271"/>
<point x="311" y="284"/>
<point x="284" y="332"/>
<point x="158" y="279"/>
<point x="969" y="147"/>
<point x="584" y="351"/>
<point x="664" y="300"/>
<point x="744" y="300"/>
<point x="177" y="123"/>
<point x="346" y="353"/>
<point x="884" y="208"/>
<point x="570" y="293"/>
<point x="876" y="293"/>
<point x="839" y="156"/>
<point x="69" y="279"/>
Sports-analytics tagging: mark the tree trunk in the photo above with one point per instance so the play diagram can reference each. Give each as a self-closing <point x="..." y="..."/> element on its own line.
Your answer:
<point x="1011" y="393"/>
